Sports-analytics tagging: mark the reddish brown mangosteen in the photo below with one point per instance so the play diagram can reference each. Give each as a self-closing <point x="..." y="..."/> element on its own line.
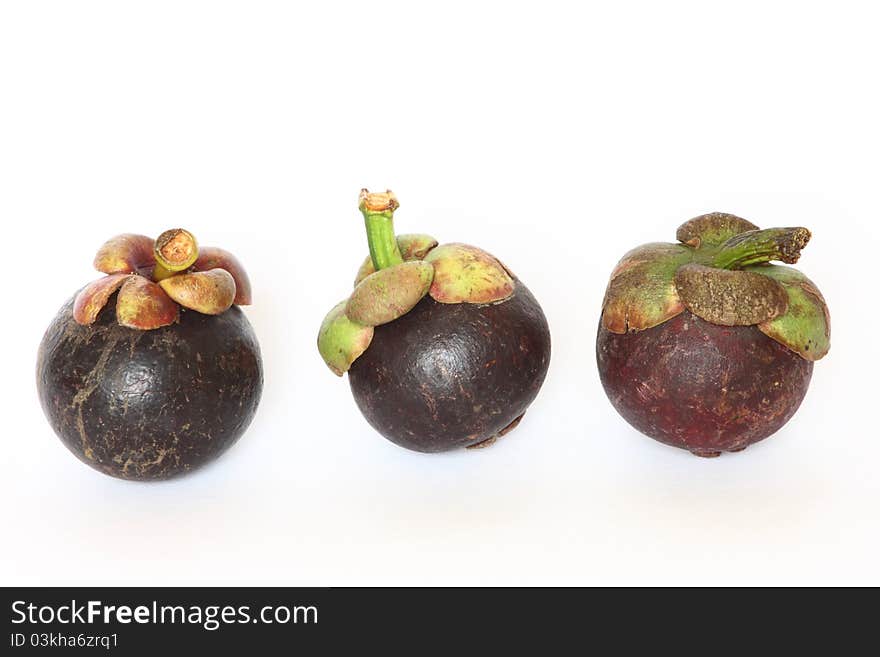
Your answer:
<point x="443" y="346"/>
<point x="171" y="378"/>
<point x="703" y="345"/>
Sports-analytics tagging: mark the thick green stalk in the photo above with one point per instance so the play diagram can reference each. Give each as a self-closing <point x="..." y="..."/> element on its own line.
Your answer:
<point x="760" y="246"/>
<point x="175" y="250"/>
<point x="378" y="210"/>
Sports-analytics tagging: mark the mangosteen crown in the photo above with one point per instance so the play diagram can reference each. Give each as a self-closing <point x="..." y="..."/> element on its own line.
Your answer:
<point x="399" y="272"/>
<point x="721" y="273"/>
<point x="155" y="277"/>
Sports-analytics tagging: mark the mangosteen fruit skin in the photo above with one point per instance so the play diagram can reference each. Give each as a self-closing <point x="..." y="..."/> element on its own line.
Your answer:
<point x="701" y="386"/>
<point x="449" y="375"/>
<point x="149" y="405"/>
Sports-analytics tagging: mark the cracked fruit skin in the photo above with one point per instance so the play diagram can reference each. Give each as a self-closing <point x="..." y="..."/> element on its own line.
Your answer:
<point x="700" y="386"/>
<point x="148" y="405"/>
<point x="445" y="375"/>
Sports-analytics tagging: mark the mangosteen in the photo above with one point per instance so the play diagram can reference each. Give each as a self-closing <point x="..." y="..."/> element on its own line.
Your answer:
<point x="706" y="346"/>
<point x="443" y="345"/>
<point x="171" y="378"/>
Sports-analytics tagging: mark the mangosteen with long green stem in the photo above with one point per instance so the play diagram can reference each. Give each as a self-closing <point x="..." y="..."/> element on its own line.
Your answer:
<point x="443" y="345"/>
<point x="704" y="344"/>
<point x="153" y="370"/>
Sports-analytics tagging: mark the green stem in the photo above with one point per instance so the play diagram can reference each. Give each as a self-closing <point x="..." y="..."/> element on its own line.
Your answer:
<point x="759" y="246"/>
<point x="378" y="210"/>
<point x="175" y="250"/>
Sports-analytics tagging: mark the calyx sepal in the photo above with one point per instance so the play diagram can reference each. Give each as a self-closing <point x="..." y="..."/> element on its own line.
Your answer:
<point x="641" y="293"/>
<point x="412" y="247"/>
<point x="728" y="297"/>
<point x="400" y="271"/>
<point x="341" y="341"/>
<point x="712" y="229"/>
<point x="155" y="278"/>
<point x="389" y="293"/>
<point x="466" y="274"/>
<point x="806" y="326"/>
<point x="720" y="273"/>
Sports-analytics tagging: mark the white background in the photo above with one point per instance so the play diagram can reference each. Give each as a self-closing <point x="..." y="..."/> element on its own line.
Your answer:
<point x="557" y="136"/>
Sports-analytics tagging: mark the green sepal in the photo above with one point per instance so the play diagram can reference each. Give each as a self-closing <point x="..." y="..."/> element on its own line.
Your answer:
<point x="466" y="274"/>
<point x="641" y="293"/>
<point x="412" y="247"/>
<point x="389" y="293"/>
<point x="806" y="326"/>
<point x="341" y="341"/>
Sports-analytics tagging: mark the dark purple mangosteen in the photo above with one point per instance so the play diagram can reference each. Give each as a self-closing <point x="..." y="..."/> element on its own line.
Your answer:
<point x="703" y="345"/>
<point x="443" y="346"/>
<point x="153" y="370"/>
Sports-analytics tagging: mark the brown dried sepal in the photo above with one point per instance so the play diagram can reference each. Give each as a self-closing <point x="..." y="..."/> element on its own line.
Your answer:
<point x="125" y="254"/>
<point x="730" y="298"/>
<point x="208" y="292"/>
<point x="389" y="293"/>
<point x="466" y="274"/>
<point x="141" y="304"/>
<point x="712" y="229"/>
<point x="212" y="257"/>
<point x="412" y="247"/>
<point x="94" y="296"/>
